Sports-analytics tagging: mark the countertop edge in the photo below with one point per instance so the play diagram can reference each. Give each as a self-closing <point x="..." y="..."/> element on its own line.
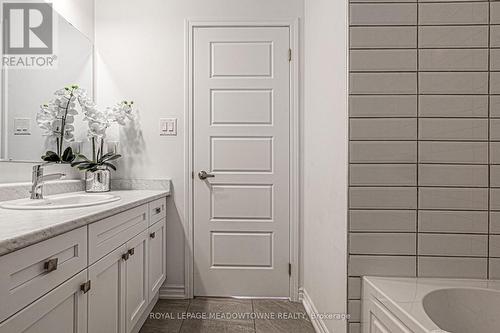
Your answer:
<point x="10" y="245"/>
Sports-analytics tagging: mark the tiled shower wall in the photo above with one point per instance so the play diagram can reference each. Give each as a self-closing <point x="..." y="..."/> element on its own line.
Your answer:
<point x="424" y="141"/>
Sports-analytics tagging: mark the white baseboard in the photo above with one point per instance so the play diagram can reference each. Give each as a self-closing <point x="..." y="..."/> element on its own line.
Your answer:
<point x="318" y="323"/>
<point x="172" y="291"/>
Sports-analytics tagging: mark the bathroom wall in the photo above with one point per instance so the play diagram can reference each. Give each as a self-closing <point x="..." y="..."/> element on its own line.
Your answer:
<point x="424" y="141"/>
<point x="79" y="13"/>
<point x="142" y="57"/>
<point x="325" y="161"/>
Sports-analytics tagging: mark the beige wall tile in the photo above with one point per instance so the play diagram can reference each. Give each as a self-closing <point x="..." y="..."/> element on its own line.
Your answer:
<point x="453" y="106"/>
<point x="452" y="221"/>
<point x="453" y="175"/>
<point x="495" y="36"/>
<point x="354" y="327"/>
<point x="383" y="174"/>
<point x="495" y="129"/>
<point x="453" y="82"/>
<point x="467" y="268"/>
<point x="383" y="14"/>
<point x="495" y="12"/>
<point x="453" y="198"/>
<point x="453" y="13"/>
<point x="383" y="152"/>
<point x="360" y="265"/>
<point x="453" y="59"/>
<point x="495" y="106"/>
<point x="383" y="37"/>
<point x="354" y="288"/>
<point x="453" y="152"/>
<point x="354" y="310"/>
<point x="453" y="129"/>
<point x="383" y="60"/>
<point x="494" y="222"/>
<point x="453" y="245"/>
<point x="495" y="59"/>
<point x="383" y="106"/>
<point x="453" y="36"/>
<point x="495" y="198"/>
<point x="495" y="152"/>
<point x="495" y="246"/>
<point x="383" y="197"/>
<point x="383" y="129"/>
<point x="383" y="220"/>
<point x="495" y="83"/>
<point x="494" y="264"/>
<point x="495" y="175"/>
<point x="383" y="243"/>
<point x="383" y="83"/>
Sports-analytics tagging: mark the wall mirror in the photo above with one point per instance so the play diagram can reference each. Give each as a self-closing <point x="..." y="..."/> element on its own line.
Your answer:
<point x="23" y="90"/>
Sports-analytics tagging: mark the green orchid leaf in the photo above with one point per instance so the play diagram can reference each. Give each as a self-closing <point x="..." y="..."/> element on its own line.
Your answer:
<point x="110" y="158"/>
<point x="68" y="155"/>
<point x="109" y="165"/>
<point x="51" y="156"/>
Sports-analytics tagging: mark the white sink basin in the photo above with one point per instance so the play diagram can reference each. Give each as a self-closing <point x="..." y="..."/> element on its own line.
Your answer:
<point x="72" y="200"/>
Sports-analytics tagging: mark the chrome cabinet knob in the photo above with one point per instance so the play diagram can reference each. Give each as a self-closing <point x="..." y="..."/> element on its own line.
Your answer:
<point x="204" y="175"/>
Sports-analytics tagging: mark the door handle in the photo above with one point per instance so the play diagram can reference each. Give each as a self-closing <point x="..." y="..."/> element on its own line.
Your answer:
<point x="204" y="175"/>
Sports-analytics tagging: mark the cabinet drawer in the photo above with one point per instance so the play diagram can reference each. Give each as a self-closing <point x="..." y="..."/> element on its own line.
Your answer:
<point x="157" y="210"/>
<point x="108" y="234"/>
<point x="29" y="273"/>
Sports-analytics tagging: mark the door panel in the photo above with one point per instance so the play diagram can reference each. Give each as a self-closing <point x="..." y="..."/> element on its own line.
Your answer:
<point x="106" y="303"/>
<point x="137" y="283"/>
<point x="157" y="257"/>
<point x="241" y="109"/>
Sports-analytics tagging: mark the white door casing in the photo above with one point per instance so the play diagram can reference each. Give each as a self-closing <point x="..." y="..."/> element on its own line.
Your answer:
<point x="241" y="135"/>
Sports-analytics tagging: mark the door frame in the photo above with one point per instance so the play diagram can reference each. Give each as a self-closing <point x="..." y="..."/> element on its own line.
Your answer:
<point x="294" y="181"/>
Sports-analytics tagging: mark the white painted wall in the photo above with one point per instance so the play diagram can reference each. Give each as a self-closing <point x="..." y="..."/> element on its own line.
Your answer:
<point x="142" y="57"/>
<point x="324" y="163"/>
<point x="79" y="13"/>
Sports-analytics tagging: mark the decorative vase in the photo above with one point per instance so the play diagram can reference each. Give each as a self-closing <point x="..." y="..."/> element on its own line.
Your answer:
<point x="98" y="181"/>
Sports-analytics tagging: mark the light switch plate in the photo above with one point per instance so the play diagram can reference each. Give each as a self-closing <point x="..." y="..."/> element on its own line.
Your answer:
<point x="168" y="126"/>
<point x="22" y="126"/>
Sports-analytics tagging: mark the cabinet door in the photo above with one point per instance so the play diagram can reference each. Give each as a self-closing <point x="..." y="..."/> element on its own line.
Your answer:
<point x="64" y="309"/>
<point x="136" y="277"/>
<point x="157" y="257"/>
<point x="106" y="304"/>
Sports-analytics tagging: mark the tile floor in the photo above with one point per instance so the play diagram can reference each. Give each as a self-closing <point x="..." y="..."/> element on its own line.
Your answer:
<point x="233" y="316"/>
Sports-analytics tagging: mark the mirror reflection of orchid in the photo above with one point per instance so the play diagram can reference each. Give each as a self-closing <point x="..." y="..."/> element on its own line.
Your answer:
<point x="57" y="117"/>
<point x="98" y="122"/>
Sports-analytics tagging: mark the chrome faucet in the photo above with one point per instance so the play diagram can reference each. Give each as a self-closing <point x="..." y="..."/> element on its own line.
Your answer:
<point x="38" y="179"/>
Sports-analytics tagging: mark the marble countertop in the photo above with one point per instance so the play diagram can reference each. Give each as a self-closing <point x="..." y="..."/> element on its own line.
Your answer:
<point x="22" y="228"/>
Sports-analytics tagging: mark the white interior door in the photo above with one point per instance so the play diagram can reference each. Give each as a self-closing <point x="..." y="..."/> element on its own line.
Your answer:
<point x="241" y="111"/>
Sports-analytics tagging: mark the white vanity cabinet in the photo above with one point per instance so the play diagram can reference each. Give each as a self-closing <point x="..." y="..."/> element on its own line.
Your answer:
<point x="104" y="279"/>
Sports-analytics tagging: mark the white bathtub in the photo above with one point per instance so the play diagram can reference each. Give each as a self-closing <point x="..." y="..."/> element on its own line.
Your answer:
<point x="421" y="305"/>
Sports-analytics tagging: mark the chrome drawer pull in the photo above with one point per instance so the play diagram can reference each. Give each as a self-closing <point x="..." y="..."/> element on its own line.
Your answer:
<point x="50" y="265"/>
